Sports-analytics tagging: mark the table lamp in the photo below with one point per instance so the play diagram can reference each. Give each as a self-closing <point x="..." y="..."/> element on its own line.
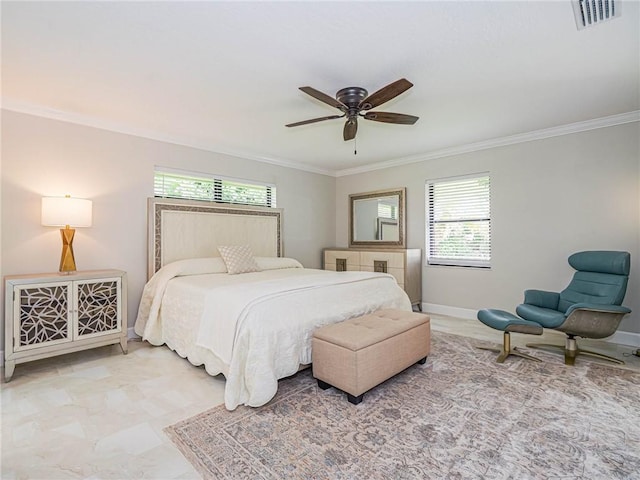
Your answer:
<point x="66" y="212"/>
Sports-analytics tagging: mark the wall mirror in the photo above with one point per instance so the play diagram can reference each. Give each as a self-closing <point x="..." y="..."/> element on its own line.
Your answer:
<point x="377" y="219"/>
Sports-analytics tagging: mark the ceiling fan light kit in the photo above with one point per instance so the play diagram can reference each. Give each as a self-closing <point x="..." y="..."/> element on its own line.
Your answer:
<point x="355" y="102"/>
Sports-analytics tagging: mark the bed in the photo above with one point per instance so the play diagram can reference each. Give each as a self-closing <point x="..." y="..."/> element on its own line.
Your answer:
<point x="253" y="327"/>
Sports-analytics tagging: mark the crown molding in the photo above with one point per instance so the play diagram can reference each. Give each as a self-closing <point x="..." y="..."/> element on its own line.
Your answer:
<point x="112" y="126"/>
<point x="568" y="129"/>
<point x="89" y="121"/>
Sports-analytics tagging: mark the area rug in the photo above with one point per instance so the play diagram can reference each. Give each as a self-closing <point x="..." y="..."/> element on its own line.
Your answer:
<point x="459" y="416"/>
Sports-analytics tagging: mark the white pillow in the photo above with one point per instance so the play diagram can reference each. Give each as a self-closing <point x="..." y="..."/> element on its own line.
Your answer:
<point x="238" y="258"/>
<point x="275" y="263"/>
<point x="195" y="266"/>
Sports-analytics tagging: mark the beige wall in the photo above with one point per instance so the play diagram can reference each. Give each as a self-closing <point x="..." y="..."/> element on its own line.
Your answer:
<point x="550" y="198"/>
<point x="46" y="157"/>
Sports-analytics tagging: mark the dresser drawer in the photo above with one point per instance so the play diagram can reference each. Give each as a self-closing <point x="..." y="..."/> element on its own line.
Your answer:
<point x="398" y="273"/>
<point x="334" y="258"/>
<point x="392" y="259"/>
<point x="403" y="264"/>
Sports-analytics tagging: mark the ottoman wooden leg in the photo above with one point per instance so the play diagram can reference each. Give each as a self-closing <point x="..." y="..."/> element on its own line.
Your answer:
<point x="323" y="385"/>
<point x="354" y="400"/>
<point x="422" y="361"/>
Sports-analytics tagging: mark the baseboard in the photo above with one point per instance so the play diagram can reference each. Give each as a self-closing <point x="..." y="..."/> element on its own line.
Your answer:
<point x="625" y="338"/>
<point x="131" y="334"/>
<point x="457" y="312"/>
<point x="620" y="337"/>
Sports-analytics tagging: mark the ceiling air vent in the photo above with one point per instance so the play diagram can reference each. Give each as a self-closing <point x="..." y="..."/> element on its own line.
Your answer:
<point x="592" y="12"/>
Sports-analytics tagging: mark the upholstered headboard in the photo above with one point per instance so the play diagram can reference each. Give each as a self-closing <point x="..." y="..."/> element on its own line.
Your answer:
<point x="180" y="229"/>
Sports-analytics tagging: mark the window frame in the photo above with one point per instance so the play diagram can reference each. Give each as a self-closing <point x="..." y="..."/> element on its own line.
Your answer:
<point x="217" y="184"/>
<point x="451" y="261"/>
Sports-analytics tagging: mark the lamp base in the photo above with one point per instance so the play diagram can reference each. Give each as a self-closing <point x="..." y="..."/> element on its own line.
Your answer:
<point x="67" y="260"/>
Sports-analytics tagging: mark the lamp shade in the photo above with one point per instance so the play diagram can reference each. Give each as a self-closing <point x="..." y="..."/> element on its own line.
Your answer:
<point x="62" y="211"/>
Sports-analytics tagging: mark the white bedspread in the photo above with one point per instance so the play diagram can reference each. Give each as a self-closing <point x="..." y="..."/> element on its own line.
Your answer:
<point x="259" y="325"/>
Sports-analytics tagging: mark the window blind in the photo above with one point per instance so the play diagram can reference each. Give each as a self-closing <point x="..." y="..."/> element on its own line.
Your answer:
<point x="387" y="211"/>
<point x="459" y="221"/>
<point x="213" y="188"/>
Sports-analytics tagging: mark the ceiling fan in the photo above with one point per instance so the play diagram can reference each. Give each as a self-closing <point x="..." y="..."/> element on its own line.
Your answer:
<point x="356" y="102"/>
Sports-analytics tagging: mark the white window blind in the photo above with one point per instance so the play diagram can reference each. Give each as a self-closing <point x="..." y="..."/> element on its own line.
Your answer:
<point x="214" y="188"/>
<point x="387" y="211"/>
<point x="459" y="221"/>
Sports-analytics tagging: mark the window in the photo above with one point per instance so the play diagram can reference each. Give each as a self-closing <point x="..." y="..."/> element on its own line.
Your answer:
<point x="214" y="188"/>
<point x="386" y="210"/>
<point x="459" y="221"/>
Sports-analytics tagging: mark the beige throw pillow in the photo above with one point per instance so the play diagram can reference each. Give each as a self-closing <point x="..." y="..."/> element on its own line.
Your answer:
<point x="238" y="258"/>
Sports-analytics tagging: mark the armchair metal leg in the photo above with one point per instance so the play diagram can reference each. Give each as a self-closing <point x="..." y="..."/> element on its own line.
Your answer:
<point x="571" y="351"/>
<point x="506" y="350"/>
<point x="545" y="346"/>
<point x="599" y="355"/>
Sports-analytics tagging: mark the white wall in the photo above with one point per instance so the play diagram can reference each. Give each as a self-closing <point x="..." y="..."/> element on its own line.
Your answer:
<point x="550" y="198"/>
<point x="46" y="157"/>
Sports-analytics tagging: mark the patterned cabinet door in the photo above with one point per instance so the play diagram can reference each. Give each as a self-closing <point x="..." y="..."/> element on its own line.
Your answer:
<point x="97" y="307"/>
<point x="42" y="315"/>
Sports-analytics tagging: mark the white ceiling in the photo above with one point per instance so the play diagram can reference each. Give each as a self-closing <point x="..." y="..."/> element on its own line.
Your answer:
<point x="224" y="76"/>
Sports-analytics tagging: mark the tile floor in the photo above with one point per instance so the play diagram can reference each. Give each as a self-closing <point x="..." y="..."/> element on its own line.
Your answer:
<point x="100" y="414"/>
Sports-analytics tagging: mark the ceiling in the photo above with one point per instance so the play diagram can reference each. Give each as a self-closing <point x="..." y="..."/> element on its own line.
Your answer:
<point x="224" y="76"/>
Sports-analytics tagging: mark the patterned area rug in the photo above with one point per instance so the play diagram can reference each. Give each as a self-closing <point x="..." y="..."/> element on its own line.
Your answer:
<point x="459" y="416"/>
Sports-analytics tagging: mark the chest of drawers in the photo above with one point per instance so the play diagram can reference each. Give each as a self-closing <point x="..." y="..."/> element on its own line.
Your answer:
<point x="404" y="264"/>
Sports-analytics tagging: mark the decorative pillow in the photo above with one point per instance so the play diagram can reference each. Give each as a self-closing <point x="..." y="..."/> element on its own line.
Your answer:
<point x="239" y="259"/>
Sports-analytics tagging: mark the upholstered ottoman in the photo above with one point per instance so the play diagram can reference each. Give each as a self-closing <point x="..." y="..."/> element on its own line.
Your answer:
<point x="508" y="322"/>
<point x="360" y="353"/>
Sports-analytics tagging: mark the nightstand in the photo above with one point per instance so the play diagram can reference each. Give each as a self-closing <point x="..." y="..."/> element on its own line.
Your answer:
<point x="53" y="314"/>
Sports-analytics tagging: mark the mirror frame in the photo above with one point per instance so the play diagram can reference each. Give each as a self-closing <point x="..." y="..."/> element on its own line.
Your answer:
<point x="400" y="243"/>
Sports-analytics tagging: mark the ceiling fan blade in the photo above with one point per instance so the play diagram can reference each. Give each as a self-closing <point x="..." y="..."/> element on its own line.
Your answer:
<point x="385" y="94"/>
<point x="388" y="117"/>
<point x="313" y="120"/>
<point x="350" y="129"/>
<point x="323" y="97"/>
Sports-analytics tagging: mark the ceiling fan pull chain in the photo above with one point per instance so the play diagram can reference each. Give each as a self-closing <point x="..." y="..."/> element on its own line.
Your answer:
<point x="355" y="146"/>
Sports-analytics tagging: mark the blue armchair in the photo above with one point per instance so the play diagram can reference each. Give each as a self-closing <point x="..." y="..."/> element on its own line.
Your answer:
<point x="590" y="307"/>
